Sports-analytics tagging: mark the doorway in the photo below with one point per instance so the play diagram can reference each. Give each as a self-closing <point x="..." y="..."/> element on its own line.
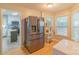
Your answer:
<point x="10" y="30"/>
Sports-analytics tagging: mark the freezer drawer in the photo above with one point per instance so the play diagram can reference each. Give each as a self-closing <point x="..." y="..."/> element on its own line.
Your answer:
<point x="34" y="45"/>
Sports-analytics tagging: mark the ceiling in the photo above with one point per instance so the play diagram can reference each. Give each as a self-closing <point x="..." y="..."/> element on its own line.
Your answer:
<point x="43" y="6"/>
<point x="56" y="7"/>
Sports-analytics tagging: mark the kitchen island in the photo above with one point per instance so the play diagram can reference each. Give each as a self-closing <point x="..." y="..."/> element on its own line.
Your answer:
<point x="66" y="47"/>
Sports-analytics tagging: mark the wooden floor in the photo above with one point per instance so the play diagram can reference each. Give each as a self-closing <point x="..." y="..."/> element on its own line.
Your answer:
<point x="47" y="50"/>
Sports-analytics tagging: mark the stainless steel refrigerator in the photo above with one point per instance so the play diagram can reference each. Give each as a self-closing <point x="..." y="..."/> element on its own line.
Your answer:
<point x="33" y="28"/>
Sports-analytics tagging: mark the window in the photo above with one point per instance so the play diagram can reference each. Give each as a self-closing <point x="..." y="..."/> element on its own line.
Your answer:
<point x="49" y="30"/>
<point x="61" y="26"/>
<point x="49" y="23"/>
<point x="75" y="27"/>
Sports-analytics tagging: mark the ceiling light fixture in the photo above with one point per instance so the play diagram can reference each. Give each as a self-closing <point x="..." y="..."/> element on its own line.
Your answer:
<point x="14" y="13"/>
<point x="49" y="5"/>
